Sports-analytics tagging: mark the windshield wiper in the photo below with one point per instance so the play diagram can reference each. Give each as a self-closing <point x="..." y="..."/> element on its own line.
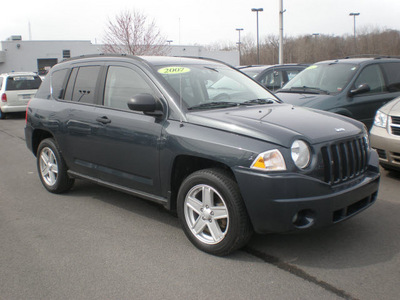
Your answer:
<point x="305" y="89"/>
<point x="216" y="104"/>
<point x="258" y="101"/>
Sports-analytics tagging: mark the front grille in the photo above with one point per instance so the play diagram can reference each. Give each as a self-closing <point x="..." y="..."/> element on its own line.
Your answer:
<point x="396" y="120"/>
<point x="381" y="153"/>
<point x="395" y="125"/>
<point x="345" y="212"/>
<point x="344" y="160"/>
<point x="396" y="157"/>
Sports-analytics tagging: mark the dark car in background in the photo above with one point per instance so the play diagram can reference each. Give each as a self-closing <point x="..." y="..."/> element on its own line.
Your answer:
<point x="164" y="129"/>
<point x="353" y="87"/>
<point x="273" y="77"/>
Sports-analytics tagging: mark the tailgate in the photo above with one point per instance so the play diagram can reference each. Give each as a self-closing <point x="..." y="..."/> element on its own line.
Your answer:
<point x="17" y="98"/>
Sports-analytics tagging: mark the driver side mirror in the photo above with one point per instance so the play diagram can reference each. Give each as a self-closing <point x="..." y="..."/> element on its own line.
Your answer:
<point x="146" y="103"/>
<point x="361" y="89"/>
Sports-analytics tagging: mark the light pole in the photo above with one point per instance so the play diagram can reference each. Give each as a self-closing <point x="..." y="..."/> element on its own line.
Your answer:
<point x="354" y="15"/>
<point x="257" y="10"/>
<point x="239" y="30"/>
<point x="281" y="11"/>
<point x="315" y="35"/>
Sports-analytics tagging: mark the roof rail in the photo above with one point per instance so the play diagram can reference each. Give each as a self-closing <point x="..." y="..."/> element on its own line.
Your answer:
<point x="97" y="55"/>
<point x="374" y="56"/>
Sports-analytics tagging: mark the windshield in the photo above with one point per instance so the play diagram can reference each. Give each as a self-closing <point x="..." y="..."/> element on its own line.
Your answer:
<point x="322" y="78"/>
<point x="214" y="86"/>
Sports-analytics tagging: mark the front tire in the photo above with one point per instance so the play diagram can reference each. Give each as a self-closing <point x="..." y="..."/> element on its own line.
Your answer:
<point x="212" y="212"/>
<point x="52" y="168"/>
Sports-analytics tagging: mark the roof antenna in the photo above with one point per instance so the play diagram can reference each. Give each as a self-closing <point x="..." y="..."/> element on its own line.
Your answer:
<point x="180" y="95"/>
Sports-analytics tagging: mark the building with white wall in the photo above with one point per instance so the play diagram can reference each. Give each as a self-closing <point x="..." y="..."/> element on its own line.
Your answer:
<point x="39" y="56"/>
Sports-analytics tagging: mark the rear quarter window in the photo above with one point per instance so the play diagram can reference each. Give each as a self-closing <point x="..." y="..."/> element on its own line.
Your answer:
<point x="44" y="90"/>
<point x="58" y="83"/>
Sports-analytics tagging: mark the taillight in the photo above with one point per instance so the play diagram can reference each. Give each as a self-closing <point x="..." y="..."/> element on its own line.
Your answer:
<point x="4" y="97"/>
<point x="26" y="112"/>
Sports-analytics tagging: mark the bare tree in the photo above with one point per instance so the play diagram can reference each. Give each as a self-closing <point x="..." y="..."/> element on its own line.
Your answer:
<point x="132" y="33"/>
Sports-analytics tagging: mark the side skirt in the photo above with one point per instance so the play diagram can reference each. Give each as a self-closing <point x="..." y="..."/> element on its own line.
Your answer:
<point x="147" y="196"/>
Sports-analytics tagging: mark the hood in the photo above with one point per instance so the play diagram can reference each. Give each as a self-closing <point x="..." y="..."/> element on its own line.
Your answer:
<point x="277" y="123"/>
<point x="303" y="99"/>
<point x="392" y="108"/>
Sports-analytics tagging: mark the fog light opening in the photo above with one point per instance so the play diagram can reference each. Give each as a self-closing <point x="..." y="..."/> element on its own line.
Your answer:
<point x="304" y="219"/>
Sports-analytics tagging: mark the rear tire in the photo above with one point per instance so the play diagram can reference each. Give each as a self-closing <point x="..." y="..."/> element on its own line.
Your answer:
<point x="212" y="213"/>
<point x="51" y="168"/>
<point x="2" y="115"/>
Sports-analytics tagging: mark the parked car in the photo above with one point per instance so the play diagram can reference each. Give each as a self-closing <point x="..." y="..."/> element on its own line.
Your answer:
<point x="227" y="163"/>
<point x="385" y="135"/>
<point x="16" y="89"/>
<point x="273" y="77"/>
<point x="355" y="87"/>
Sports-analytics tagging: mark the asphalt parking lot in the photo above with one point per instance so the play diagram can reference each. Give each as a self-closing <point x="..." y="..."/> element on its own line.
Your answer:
<point x="96" y="243"/>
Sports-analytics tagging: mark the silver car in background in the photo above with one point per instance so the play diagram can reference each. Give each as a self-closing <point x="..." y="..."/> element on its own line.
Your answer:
<point x="385" y="135"/>
<point x="16" y="89"/>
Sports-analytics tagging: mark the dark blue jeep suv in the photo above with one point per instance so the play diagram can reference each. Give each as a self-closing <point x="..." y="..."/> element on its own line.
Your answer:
<point x="201" y="138"/>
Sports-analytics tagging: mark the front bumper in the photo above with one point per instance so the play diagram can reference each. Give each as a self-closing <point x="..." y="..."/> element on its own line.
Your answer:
<point x="387" y="146"/>
<point x="286" y="202"/>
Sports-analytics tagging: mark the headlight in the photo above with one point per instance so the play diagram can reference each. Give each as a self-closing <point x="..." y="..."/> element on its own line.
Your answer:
<point x="270" y="161"/>
<point x="366" y="137"/>
<point x="300" y="154"/>
<point x="380" y="119"/>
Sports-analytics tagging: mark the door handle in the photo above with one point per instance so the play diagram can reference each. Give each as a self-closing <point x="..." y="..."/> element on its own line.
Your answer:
<point x="103" y="119"/>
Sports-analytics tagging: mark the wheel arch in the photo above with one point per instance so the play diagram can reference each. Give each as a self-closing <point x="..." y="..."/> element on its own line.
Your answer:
<point x="38" y="136"/>
<point x="184" y="165"/>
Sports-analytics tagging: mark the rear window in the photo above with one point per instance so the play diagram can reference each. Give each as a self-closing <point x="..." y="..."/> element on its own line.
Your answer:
<point x="26" y="82"/>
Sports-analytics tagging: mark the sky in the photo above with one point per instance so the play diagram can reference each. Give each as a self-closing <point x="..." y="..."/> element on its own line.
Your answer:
<point x="201" y="22"/>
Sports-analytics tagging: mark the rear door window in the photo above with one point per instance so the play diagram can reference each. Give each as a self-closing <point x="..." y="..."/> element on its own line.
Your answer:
<point x="82" y="84"/>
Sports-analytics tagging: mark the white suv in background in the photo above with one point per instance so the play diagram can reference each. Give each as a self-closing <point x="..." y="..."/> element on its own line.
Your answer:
<point x="16" y="89"/>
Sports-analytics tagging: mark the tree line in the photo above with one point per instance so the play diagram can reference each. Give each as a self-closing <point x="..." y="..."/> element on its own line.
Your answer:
<point x="131" y="32"/>
<point x="314" y="48"/>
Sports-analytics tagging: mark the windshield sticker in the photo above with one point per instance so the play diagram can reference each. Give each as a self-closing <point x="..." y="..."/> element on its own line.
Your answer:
<point x="312" y="67"/>
<point x="174" y="70"/>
